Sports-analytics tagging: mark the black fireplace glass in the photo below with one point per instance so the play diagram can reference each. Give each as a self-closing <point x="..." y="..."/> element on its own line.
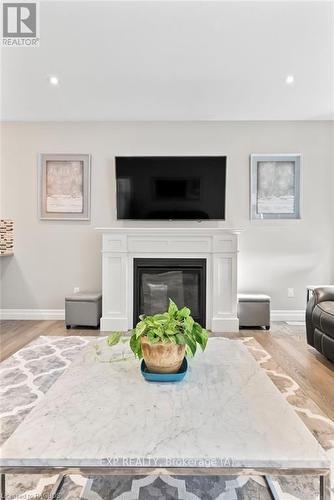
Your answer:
<point x="157" y="280"/>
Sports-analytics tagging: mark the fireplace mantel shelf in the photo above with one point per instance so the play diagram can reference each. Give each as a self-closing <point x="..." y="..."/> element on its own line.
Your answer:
<point x="168" y="230"/>
<point x="121" y="245"/>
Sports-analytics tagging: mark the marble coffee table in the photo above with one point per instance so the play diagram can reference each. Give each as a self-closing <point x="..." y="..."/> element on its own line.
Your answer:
<point x="226" y="417"/>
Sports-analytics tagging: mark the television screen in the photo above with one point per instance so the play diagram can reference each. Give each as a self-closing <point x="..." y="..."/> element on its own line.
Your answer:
<point x="171" y="187"/>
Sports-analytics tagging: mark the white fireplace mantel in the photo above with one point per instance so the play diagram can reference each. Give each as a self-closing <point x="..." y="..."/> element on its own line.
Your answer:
<point x="217" y="245"/>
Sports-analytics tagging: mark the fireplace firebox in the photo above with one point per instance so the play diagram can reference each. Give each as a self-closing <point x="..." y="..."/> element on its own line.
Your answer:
<point x="157" y="280"/>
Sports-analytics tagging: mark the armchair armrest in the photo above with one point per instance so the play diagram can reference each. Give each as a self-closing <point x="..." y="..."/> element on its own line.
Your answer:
<point x="323" y="294"/>
<point x="319" y="295"/>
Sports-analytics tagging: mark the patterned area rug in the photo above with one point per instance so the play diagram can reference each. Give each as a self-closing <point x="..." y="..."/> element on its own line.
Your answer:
<point x="28" y="374"/>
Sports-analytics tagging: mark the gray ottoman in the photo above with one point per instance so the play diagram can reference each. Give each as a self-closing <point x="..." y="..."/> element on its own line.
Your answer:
<point x="83" y="309"/>
<point x="254" y="310"/>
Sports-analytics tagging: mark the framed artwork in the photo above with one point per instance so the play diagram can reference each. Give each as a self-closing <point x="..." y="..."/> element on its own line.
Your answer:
<point x="64" y="186"/>
<point x="275" y="186"/>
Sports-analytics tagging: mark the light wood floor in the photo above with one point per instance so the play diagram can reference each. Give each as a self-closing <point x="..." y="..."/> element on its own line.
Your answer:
<point x="286" y="344"/>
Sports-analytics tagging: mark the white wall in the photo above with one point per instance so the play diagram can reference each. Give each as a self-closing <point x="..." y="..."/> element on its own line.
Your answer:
<point x="53" y="257"/>
<point x="332" y="192"/>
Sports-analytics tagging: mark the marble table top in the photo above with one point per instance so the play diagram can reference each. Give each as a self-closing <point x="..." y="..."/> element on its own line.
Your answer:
<point x="225" y="413"/>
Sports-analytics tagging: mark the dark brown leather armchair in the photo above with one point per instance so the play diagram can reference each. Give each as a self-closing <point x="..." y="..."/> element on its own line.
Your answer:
<point x="320" y="321"/>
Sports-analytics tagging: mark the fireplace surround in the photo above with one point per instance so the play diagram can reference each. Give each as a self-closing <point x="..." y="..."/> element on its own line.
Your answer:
<point x="123" y="248"/>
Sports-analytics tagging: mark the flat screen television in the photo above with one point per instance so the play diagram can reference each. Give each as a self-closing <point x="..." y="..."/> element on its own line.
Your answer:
<point x="171" y="187"/>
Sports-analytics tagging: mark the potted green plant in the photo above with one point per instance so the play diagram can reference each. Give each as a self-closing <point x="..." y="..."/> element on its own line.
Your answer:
<point x="164" y="339"/>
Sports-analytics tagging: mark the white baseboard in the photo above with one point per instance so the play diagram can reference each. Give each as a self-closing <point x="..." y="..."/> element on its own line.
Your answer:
<point x="42" y="314"/>
<point x="287" y="315"/>
<point x="54" y="314"/>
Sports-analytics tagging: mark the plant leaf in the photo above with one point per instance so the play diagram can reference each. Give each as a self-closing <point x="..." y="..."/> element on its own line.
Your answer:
<point x="191" y="343"/>
<point x="200" y="334"/>
<point x="152" y="338"/>
<point x="189" y="352"/>
<point x="183" y="313"/>
<point x="113" y="339"/>
<point x="158" y="331"/>
<point x="188" y="324"/>
<point x="180" y="339"/>
<point x="136" y="346"/>
<point x="155" y="340"/>
<point x="140" y="328"/>
<point x="160" y="318"/>
<point x="172" y="309"/>
<point x="169" y="331"/>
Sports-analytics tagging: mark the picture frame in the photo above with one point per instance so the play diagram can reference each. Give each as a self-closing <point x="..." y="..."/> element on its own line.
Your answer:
<point x="275" y="186"/>
<point x="64" y="186"/>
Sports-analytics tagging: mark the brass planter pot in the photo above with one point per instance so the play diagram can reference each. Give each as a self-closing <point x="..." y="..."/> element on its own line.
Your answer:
<point x="162" y="357"/>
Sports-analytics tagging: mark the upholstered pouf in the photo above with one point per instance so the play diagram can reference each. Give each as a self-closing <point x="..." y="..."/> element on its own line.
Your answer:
<point x="83" y="309"/>
<point x="254" y="310"/>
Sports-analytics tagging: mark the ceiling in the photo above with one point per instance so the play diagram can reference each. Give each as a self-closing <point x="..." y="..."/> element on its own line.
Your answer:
<point x="174" y="61"/>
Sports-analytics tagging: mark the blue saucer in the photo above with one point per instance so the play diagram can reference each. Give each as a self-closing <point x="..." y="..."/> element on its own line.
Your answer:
<point x="164" y="377"/>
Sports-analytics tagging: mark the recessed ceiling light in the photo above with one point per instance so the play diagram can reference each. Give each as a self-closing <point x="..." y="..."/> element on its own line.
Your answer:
<point x="53" y="80"/>
<point x="289" y="79"/>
